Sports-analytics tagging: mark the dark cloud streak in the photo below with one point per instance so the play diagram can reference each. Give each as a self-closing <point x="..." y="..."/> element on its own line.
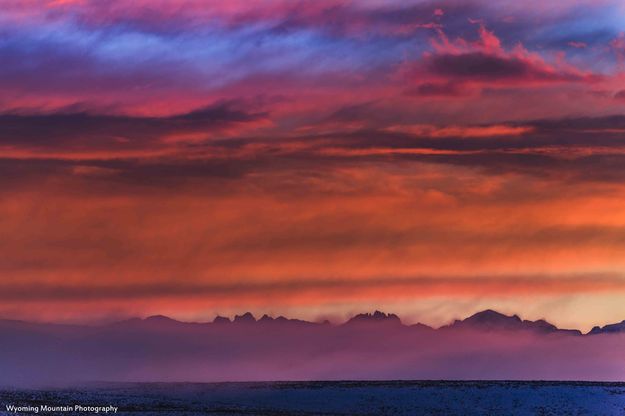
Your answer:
<point x="84" y="130"/>
<point x="41" y="292"/>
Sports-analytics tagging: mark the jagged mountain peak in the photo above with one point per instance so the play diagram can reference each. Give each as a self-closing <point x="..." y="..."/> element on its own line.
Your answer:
<point x="376" y="316"/>
<point x="221" y="320"/>
<point x="247" y="317"/>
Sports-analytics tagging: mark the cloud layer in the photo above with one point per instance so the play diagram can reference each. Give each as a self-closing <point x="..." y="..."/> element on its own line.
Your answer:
<point x="184" y="156"/>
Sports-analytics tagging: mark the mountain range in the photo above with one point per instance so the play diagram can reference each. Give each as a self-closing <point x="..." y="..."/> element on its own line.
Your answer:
<point x="487" y="320"/>
<point x="371" y="346"/>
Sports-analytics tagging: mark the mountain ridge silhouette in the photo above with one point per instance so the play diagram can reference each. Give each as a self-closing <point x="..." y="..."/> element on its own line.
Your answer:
<point x="488" y="319"/>
<point x="376" y="345"/>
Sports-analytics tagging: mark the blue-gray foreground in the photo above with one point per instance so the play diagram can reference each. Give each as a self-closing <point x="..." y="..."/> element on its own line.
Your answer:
<point x="336" y="398"/>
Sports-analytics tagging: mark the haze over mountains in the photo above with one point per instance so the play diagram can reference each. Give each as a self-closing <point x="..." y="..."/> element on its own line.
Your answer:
<point x="487" y="320"/>
<point x="487" y="345"/>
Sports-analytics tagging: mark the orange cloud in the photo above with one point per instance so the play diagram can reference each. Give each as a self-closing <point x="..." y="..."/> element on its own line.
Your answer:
<point x="463" y="131"/>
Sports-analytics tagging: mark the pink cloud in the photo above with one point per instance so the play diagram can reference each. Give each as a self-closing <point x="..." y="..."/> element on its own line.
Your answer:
<point x="486" y="62"/>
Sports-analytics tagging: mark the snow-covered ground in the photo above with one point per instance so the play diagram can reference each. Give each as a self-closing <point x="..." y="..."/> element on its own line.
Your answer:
<point x="338" y="398"/>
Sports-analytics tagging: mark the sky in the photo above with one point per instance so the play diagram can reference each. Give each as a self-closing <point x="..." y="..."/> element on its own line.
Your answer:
<point x="314" y="159"/>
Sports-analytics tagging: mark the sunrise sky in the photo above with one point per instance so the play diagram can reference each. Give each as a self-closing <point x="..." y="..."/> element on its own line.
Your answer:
<point x="312" y="159"/>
